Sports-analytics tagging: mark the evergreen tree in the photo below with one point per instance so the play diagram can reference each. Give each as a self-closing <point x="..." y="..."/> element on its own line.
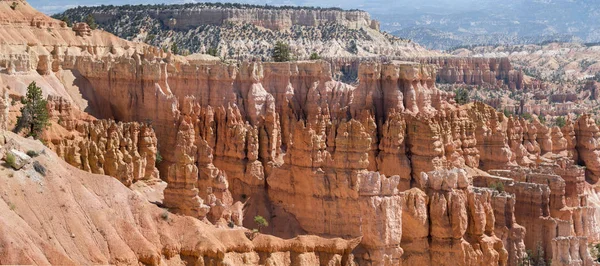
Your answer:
<point x="281" y="52"/>
<point x="67" y="20"/>
<point x="560" y="121"/>
<point x="461" y="96"/>
<point x="314" y="56"/>
<point x="34" y="115"/>
<point x="213" y="51"/>
<point x="174" y="49"/>
<point x="91" y="22"/>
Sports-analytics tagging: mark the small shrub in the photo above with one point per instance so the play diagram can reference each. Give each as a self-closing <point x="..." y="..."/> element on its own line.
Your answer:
<point x="595" y="251"/>
<point x="32" y="153"/>
<point x="165" y="215"/>
<point x="12" y="206"/>
<point x="212" y="51"/>
<point x="314" y="56"/>
<point x="260" y="221"/>
<point x="461" y="96"/>
<point x="38" y="167"/>
<point x="498" y="186"/>
<point x="174" y="48"/>
<point x="159" y="158"/>
<point x="231" y="224"/>
<point x="560" y="121"/>
<point x="542" y="119"/>
<point x="11" y="160"/>
<point x="14" y="5"/>
<point x="527" y="116"/>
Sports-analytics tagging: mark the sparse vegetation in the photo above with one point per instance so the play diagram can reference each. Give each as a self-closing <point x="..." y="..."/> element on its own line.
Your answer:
<point x="91" y="21"/>
<point x="174" y="48"/>
<point x="34" y="115"/>
<point x="281" y="52"/>
<point x="10" y="160"/>
<point x="212" y="51"/>
<point x="560" y="121"/>
<point x="461" y="96"/>
<point x="38" y="167"/>
<point x="595" y="251"/>
<point x="261" y="222"/>
<point x="165" y="215"/>
<point x="498" y="186"/>
<point x="14" y="5"/>
<point x="527" y="116"/>
<point x="32" y="153"/>
<point x="67" y="20"/>
<point x="158" y="159"/>
<point x="314" y="56"/>
<point x="542" y="119"/>
<point x="352" y="47"/>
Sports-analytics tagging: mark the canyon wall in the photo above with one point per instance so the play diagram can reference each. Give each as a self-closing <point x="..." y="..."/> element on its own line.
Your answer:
<point x="387" y="163"/>
<point x="72" y="217"/>
<point x="281" y="137"/>
<point x="188" y="17"/>
<point x="126" y="151"/>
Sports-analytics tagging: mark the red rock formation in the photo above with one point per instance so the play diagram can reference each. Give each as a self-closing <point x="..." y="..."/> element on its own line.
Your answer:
<point x="126" y="151"/>
<point x="588" y="147"/>
<point x="371" y="162"/>
<point x="70" y="217"/>
<point x="551" y="203"/>
<point x="458" y="220"/>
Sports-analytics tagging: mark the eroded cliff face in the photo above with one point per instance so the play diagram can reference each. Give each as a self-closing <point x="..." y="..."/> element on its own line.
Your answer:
<point x="285" y="138"/>
<point x="552" y="204"/>
<point x="126" y="151"/>
<point x="388" y="163"/>
<point x="184" y="18"/>
<point x="72" y="217"/>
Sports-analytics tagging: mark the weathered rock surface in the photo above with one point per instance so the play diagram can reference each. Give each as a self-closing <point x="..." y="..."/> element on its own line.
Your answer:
<point x="234" y="31"/>
<point x="126" y="151"/>
<point x="71" y="217"/>
<point x="376" y="162"/>
<point x="551" y="203"/>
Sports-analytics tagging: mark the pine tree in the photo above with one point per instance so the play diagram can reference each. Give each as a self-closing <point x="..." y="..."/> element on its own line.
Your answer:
<point x="174" y="49"/>
<point x="314" y="56"/>
<point x="34" y="115"/>
<point x="281" y="52"/>
<point x="91" y="22"/>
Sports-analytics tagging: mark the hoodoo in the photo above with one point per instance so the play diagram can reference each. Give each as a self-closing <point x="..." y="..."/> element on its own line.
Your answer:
<point x="158" y="158"/>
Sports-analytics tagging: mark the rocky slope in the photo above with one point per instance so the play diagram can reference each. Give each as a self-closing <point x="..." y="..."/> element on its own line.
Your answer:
<point x="242" y="31"/>
<point x="552" y="62"/>
<point x="70" y="217"/>
<point x="391" y="163"/>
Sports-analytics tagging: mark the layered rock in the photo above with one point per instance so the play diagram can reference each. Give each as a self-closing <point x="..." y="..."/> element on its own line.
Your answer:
<point x="70" y="217"/>
<point x="236" y="31"/>
<point x="126" y="151"/>
<point x="588" y="146"/>
<point x="497" y="72"/>
<point x="451" y="224"/>
<point x="4" y="109"/>
<point x="186" y="17"/>
<point x="551" y="202"/>
<point x="371" y="162"/>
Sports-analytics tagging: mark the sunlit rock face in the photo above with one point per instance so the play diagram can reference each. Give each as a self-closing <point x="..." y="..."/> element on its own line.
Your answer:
<point x="391" y="163"/>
